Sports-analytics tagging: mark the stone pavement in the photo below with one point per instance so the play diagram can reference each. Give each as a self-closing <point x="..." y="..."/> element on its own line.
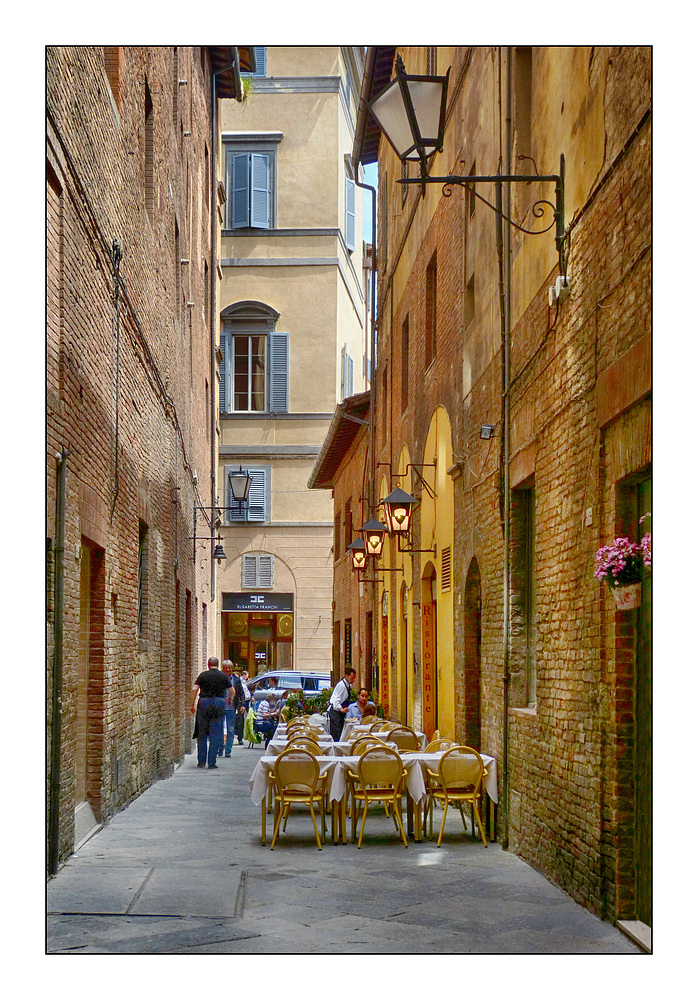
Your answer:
<point x="182" y="871"/>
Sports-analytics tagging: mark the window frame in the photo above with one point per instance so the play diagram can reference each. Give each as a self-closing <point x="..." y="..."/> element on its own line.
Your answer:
<point x="254" y="320"/>
<point x="250" y="147"/>
<point x="257" y="508"/>
<point x="263" y="578"/>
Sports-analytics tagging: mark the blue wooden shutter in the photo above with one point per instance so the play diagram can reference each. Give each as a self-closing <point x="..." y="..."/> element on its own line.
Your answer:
<point x="265" y="572"/>
<point x="256" y="507"/>
<point x="350" y="228"/>
<point x="222" y="389"/>
<point x="257" y="500"/>
<point x="278" y="366"/>
<point x="240" y="190"/>
<point x="259" y="215"/>
<point x="260" y="52"/>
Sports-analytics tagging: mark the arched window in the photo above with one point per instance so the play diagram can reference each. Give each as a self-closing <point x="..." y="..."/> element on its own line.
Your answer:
<point x="254" y="363"/>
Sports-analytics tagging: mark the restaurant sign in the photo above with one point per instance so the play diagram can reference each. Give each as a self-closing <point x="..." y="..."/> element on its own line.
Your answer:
<point x="428" y="669"/>
<point x="385" y="660"/>
<point x="275" y="603"/>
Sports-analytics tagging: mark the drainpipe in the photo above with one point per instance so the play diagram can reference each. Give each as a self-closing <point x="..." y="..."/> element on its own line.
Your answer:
<point x="367" y="187"/>
<point x="506" y="346"/>
<point x="57" y="690"/>
<point x="214" y="270"/>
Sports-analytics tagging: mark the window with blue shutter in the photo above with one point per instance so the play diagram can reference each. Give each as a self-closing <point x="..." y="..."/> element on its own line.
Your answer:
<point x="256" y="506"/>
<point x="249" y="190"/>
<point x="350" y="227"/>
<point x="260" y="52"/>
<point x="254" y="368"/>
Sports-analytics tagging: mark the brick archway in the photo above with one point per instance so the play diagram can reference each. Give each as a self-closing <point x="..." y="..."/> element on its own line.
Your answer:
<point x="471" y="653"/>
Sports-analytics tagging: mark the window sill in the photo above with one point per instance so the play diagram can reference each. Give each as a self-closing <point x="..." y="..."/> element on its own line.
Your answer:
<point x="525" y="712"/>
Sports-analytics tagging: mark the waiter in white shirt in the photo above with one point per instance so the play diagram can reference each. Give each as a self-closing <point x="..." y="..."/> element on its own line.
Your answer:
<point x="339" y="703"/>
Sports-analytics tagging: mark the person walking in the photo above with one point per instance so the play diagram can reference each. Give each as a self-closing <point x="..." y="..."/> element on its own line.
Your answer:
<point x="233" y="700"/>
<point x="244" y="708"/>
<point x="211" y="687"/>
<point x="339" y="703"/>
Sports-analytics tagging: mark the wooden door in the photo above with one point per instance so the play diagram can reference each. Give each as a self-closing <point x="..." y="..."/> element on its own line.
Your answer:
<point x="643" y="730"/>
<point x="429" y="675"/>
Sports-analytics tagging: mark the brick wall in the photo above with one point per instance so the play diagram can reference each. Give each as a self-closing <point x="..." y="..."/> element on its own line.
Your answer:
<point x="580" y="378"/>
<point x="126" y="396"/>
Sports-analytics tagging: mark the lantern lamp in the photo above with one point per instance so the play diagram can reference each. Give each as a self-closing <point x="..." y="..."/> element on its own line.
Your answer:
<point x="358" y="553"/>
<point x="240" y="483"/>
<point x="398" y="511"/>
<point x="373" y="534"/>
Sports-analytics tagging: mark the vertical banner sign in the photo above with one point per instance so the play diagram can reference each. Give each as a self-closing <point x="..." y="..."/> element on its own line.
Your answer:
<point x="385" y="665"/>
<point x="428" y="669"/>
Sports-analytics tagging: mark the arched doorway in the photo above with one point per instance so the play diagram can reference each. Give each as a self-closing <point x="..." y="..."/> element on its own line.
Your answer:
<point x="430" y="692"/>
<point x="471" y="654"/>
<point x="402" y="611"/>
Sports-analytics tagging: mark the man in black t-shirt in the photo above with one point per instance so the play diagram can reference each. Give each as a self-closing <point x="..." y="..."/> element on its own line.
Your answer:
<point x="211" y="686"/>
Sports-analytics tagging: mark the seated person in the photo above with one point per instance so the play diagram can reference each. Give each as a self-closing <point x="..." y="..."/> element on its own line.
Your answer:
<point x="265" y="722"/>
<point x="370" y="712"/>
<point x="357" y="708"/>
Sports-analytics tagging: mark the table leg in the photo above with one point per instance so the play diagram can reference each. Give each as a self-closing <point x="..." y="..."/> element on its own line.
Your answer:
<point x="264" y="820"/>
<point x="417" y="807"/>
<point x="410" y="814"/>
<point x="492" y="824"/>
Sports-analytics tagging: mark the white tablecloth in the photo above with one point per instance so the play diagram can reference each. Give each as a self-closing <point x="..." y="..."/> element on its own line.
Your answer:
<point x="337" y="767"/>
<point x="278" y="744"/>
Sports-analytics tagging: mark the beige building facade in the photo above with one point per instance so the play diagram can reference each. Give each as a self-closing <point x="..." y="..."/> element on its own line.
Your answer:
<point x="291" y="344"/>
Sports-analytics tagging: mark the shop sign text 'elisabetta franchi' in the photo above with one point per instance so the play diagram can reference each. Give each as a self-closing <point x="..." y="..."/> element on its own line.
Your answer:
<point x="257" y="602"/>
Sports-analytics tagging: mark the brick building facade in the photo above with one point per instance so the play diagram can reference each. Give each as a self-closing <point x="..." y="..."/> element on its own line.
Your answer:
<point x="129" y="417"/>
<point x="533" y="663"/>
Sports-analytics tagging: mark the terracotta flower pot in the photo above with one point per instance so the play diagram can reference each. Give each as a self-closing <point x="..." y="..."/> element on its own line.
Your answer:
<point x="628" y="596"/>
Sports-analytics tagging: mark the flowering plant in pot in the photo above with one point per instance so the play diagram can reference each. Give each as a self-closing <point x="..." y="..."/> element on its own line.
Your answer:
<point x="622" y="566"/>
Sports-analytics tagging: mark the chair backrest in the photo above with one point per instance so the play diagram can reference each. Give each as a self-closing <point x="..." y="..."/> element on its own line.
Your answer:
<point x="441" y="743"/>
<point x="461" y="767"/>
<point x="296" y="769"/>
<point x="380" y="765"/>
<point x="404" y="738"/>
<point x="375" y="726"/>
<point x="358" y="746"/>
<point x="304" y="743"/>
<point x="385" y="726"/>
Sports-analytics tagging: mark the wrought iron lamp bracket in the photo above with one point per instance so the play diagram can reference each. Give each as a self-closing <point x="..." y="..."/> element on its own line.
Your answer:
<point x="538" y="209"/>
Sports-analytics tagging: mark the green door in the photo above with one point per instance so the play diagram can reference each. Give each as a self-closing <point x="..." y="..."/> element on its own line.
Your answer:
<point x="643" y="730"/>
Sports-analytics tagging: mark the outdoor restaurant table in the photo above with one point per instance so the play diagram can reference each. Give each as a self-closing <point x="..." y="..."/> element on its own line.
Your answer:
<point x="337" y="768"/>
<point x="277" y="744"/>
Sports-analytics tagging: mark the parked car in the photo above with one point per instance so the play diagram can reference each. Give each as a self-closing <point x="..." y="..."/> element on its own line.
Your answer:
<point x="272" y="684"/>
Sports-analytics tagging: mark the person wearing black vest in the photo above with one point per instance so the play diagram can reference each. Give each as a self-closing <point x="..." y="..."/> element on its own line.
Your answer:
<point x="211" y="686"/>
<point x="339" y="703"/>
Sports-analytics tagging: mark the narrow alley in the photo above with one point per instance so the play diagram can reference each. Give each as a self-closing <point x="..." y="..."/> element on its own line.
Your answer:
<point x="182" y="871"/>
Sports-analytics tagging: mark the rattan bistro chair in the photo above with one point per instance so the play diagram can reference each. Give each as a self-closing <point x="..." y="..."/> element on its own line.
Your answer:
<point x="439" y="744"/>
<point x="379" y="779"/>
<point x="297" y="781"/>
<point x="404" y="738"/>
<point x="458" y="780"/>
<point x="306" y="743"/>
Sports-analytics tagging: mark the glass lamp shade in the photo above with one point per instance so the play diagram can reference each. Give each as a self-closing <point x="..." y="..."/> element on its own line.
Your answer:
<point x="358" y="553"/>
<point x="373" y="533"/>
<point x="240" y="483"/>
<point x="398" y="511"/>
<point x="427" y="95"/>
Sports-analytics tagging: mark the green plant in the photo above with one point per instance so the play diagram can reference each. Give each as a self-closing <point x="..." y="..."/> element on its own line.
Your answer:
<point x="302" y="703"/>
<point x="247" y="89"/>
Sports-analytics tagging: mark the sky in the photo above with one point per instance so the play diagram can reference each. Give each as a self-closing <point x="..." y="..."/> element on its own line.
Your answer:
<point x="370" y="177"/>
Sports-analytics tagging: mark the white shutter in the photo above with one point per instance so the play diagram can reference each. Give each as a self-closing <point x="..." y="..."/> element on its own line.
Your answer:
<point x="265" y="572"/>
<point x="350" y="228"/>
<point x="350" y="375"/>
<point x="257" y="572"/>
<point x="249" y="572"/>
